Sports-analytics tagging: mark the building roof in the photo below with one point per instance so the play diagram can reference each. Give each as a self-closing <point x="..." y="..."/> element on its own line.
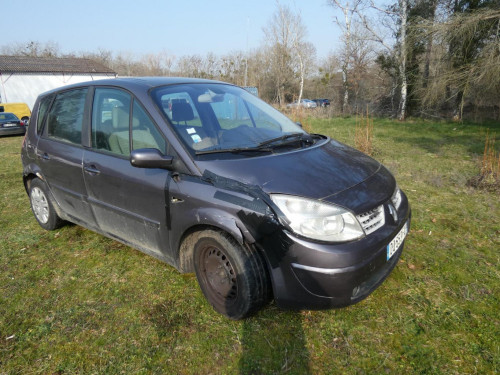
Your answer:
<point x="27" y="64"/>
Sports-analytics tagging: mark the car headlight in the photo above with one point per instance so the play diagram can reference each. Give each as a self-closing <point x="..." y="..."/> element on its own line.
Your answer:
<point x="317" y="220"/>
<point x="396" y="198"/>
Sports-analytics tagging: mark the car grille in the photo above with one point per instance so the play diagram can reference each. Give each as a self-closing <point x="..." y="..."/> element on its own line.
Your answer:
<point x="372" y="220"/>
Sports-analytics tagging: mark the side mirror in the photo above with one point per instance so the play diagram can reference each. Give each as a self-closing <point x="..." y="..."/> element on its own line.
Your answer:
<point x="150" y="158"/>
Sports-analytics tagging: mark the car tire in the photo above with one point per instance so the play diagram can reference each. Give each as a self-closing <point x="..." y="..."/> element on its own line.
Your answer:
<point x="42" y="206"/>
<point x="233" y="278"/>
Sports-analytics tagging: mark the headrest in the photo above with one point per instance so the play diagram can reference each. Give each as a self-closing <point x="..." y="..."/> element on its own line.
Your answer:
<point x="182" y="111"/>
<point x="120" y="118"/>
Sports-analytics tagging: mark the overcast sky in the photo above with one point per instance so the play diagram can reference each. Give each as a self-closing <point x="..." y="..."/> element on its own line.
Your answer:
<point x="180" y="27"/>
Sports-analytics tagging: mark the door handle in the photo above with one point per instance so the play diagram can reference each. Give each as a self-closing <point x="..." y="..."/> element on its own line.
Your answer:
<point x="91" y="169"/>
<point x="44" y="156"/>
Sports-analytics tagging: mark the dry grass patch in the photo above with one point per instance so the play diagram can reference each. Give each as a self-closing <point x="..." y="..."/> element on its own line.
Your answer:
<point x="363" y="135"/>
<point x="489" y="176"/>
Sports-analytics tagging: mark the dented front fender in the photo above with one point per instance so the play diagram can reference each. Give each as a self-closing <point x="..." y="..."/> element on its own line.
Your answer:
<point x="209" y="201"/>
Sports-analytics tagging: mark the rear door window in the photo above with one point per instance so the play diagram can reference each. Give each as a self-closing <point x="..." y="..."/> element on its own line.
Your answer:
<point x="65" y="118"/>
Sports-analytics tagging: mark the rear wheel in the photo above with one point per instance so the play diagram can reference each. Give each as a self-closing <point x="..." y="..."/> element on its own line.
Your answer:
<point x="42" y="206"/>
<point x="233" y="278"/>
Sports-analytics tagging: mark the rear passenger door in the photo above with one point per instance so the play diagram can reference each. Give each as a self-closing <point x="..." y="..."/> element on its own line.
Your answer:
<point x="60" y="154"/>
<point x="128" y="202"/>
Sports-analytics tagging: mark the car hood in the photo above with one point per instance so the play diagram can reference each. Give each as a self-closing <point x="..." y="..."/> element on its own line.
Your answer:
<point x="329" y="171"/>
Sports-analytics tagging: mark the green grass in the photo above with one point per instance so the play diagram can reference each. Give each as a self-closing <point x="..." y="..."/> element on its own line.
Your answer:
<point x="72" y="301"/>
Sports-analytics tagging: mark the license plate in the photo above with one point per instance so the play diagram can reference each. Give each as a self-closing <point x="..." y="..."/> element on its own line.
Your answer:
<point x="397" y="241"/>
<point x="9" y="125"/>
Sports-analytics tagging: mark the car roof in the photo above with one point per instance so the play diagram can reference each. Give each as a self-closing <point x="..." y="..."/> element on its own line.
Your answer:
<point x="137" y="82"/>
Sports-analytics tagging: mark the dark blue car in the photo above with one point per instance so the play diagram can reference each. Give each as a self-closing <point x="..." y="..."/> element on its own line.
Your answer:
<point x="210" y="179"/>
<point x="10" y="124"/>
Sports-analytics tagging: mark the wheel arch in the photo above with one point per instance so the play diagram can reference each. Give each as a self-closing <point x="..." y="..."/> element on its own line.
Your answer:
<point x="31" y="172"/>
<point x="244" y="265"/>
<point x="27" y="181"/>
<point x="186" y="243"/>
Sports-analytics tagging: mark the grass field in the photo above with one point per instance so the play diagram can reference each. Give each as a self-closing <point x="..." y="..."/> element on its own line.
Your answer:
<point x="72" y="301"/>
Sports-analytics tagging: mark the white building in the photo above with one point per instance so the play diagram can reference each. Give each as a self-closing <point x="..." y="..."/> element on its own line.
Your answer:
<point x="23" y="78"/>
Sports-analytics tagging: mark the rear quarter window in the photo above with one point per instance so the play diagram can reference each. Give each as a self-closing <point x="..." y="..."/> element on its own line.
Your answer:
<point x="42" y="111"/>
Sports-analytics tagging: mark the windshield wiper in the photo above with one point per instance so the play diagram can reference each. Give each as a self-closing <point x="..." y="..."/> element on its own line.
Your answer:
<point x="290" y="138"/>
<point x="264" y="146"/>
<point x="234" y="150"/>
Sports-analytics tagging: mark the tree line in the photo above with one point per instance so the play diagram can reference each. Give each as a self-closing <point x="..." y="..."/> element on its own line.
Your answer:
<point x="427" y="58"/>
<point x="430" y="58"/>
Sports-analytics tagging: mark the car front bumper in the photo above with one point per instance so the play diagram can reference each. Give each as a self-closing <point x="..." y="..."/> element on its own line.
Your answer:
<point x="312" y="275"/>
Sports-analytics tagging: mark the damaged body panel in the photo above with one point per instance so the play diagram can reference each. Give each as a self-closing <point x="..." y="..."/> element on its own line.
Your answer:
<point x="211" y="180"/>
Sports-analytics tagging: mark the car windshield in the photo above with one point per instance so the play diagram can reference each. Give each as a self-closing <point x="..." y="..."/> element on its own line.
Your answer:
<point x="8" y="117"/>
<point x="211" y="118"/>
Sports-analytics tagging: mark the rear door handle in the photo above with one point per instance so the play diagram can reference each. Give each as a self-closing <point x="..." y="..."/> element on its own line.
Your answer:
<point x="91" y="169"/>
<point x="44" y="156"/>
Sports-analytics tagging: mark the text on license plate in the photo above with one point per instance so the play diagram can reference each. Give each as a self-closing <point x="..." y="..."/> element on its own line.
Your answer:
<point x="9" y="125"/>
<point x="397" y="241"/>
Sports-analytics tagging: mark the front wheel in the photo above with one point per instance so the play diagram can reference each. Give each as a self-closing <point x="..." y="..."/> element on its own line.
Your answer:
<point x="234" y="279"/>
<point x="42" y="206"/>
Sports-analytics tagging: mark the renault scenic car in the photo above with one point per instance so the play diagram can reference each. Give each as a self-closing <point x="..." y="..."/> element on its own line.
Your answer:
<point x="210" y="179"/>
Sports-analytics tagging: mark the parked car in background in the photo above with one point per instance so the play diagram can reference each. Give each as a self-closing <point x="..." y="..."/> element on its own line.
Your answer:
<point x="322" y="102"/>
<point x="209" y="178"/>
<point x="304" y="103"/>
<point x="21" y="110"/>
<point x="10" y="124"/>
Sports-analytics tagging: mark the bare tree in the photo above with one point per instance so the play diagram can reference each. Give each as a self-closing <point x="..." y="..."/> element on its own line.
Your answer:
<point x="210" y="66"/>
<point x="432" y="4"/>
<point x="472" y="69"/>
<point x="349" y="9"/>
<point x="234" y="68"/>
<point x="157" y="64"/>
<point x="190" y="66"/>
<point x="285" y="34"/>
<point x="326" y="79"/>
<point x="33" y="49"/>
<point x="395" y="19"/>
<point x="305" y="53"/>
<point x="403" y="15"/>
<point x="362" y="56"/>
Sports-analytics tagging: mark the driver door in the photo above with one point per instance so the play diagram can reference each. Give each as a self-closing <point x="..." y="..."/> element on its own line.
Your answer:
<point x="128" y="202"/>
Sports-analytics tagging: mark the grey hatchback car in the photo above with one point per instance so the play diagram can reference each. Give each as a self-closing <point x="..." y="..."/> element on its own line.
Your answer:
<point x="210" y="179"/>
